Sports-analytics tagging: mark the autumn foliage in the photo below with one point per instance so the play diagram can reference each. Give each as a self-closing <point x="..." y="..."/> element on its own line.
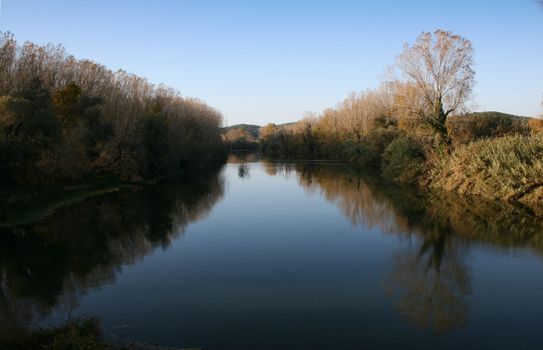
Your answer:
<point x="416" y="128"/>
<point x="64" y="120"/>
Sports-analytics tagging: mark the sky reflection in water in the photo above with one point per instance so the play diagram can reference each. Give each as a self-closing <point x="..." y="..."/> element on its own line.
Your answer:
<point x="265" y="255"/>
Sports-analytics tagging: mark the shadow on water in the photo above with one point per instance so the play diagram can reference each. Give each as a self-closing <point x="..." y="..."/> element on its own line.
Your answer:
<point x="53" y="262"/>
<point x="430" y="280"/>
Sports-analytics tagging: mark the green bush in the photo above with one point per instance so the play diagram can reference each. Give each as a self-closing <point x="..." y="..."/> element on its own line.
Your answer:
<point x="355" y="152"/>
<point x="403" y="160"/>
<point x="377" y="142"/>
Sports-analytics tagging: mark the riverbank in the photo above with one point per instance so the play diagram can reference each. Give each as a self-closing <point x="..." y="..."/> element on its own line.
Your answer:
<point x="508" y="169"/>
<point x="81" y="334"/>
<point x="489" y="155"/>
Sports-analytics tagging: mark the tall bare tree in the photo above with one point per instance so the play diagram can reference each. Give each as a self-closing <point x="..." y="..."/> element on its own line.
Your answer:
<point x="439" y="67"/>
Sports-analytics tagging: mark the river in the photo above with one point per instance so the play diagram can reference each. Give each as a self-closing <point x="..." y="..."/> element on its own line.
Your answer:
<point x="265" y="255"/>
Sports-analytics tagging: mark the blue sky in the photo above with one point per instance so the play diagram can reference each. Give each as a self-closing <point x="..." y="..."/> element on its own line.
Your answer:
<point x="271" y="60"/>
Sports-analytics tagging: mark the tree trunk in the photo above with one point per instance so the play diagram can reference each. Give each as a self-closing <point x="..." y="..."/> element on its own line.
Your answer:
<point x="438" y="122"/>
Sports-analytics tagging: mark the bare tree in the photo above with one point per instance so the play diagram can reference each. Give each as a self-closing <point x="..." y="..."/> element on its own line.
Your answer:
<point x="357" y="115"/>
<point x="8" y="55"/>
<point x="439" y="67"/>
<point x="267" y="131"/>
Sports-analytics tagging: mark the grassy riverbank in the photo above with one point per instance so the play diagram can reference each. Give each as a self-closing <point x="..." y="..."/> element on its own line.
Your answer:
<point x="508" y="168"/>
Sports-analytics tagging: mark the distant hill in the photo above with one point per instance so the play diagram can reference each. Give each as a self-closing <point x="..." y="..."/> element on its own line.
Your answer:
<point x="494" y="114"/>
<point x="253" y="130"/>
<point x="478" y="125"/>
<point x="462" y="127"/>
<point x="285" y="124"/>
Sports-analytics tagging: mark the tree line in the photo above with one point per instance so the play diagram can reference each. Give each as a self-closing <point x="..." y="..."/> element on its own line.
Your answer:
<point x="432" y="80"/>
<point x="66" y="120"/>
<point x="416" y="127"/>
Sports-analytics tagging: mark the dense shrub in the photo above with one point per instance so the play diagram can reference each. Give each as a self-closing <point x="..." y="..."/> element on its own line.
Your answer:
<point x="377" y="142"/>
<point x="403" y="160"/>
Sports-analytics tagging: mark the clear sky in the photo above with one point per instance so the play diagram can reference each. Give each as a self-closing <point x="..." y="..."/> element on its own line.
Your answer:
<point x="272" y="60"/>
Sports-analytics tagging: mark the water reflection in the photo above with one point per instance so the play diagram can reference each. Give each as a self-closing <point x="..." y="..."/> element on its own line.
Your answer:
<point x="430" y="279"/>
<point x="52" y="263"/>
<point x="369" y="202"/>
<point x="243" y="171"/>
<point x="429" y="285"/>
<point x="242" y="157"/>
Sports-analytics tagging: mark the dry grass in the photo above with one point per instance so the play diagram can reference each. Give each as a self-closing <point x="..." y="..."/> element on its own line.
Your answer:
<point x="507" y="168"/>
<point x="536" y="125"/>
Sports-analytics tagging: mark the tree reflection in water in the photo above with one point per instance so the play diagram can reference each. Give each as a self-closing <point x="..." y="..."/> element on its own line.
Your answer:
<point x="84" y="246"/>
<point x="50" y="264"/>
<point x="243" y="171"/>
<point x="430" y="282"/>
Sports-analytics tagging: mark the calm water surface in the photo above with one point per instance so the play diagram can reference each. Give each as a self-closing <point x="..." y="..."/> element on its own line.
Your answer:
<point x="283" y="256"/>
